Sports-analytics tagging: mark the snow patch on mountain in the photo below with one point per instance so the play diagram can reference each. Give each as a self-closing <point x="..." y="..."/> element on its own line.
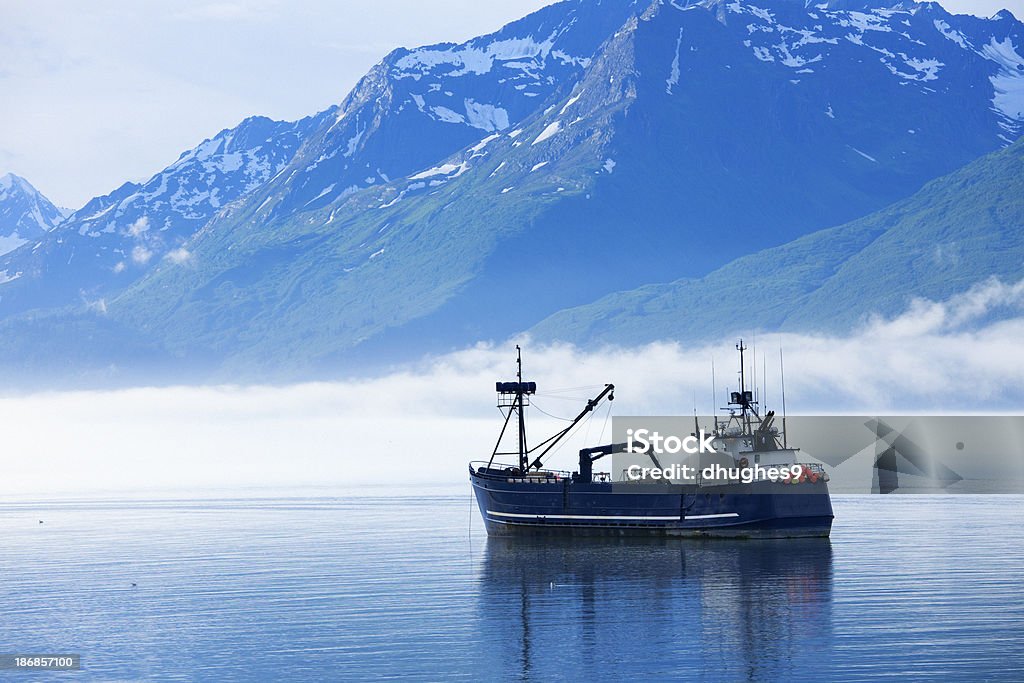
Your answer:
<point x="478" y="147"/>
<point x="673" y="76"/>
<point x="564" y="58"/>
<point x="450" y="170"/>
<point x="485" y="116"/>
<point x="927" y="69"/>
<point x="902" y="55"/>
<point x="353" y="142"/>
<point x="867" y="22"/>
<point x="951" y="34"/>
<point x="550" y="130"/>
<point x="470" y="59"/>
<point x="1008" y="84"/>
<point x="866" y="156"/>
<point x="571" y="101"/>
<point x="327" y="190"/>
<point x="447" y="115"/>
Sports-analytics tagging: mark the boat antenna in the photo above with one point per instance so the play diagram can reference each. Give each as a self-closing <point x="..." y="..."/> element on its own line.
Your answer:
<point x="753" y="361"/>
<point x="519" y="400"/>
<point x="743" y="382"/>
<point x="743" y="386"/>
<point x="764" y="381"/>
<point x="782" y="372"/>
<point x="714" y="395"/>
<point x="696" y="424"/>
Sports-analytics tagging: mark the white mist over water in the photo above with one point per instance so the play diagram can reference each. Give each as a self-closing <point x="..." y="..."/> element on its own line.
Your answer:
<point x="421" y="426"/>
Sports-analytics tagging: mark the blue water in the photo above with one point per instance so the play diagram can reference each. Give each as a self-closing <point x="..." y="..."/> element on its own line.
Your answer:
<point x="918" y="587"/>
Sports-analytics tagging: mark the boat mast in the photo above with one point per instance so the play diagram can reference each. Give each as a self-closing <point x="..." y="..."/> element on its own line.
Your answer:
<point x="745" y="400"/>
<point x="513" y="397"/>
<point x="743" y="387"/>
<point x="782" y="372"/>
<point x="523" y="464"/>
<point x="714" y="395"/>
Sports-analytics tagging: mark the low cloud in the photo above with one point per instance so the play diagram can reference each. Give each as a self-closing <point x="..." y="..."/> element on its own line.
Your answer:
<point x="423" y="424"/>
<point x="141" y="255"/>
<point x="139" y="227"/>
<point x="179" y="255"/>
<point x="97" y="306"/>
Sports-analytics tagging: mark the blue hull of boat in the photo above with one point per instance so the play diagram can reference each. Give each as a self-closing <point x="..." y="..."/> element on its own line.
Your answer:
<point x="760" y="510"/>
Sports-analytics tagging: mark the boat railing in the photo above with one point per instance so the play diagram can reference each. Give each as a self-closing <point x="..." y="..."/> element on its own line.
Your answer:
<point x="512" y="473"/>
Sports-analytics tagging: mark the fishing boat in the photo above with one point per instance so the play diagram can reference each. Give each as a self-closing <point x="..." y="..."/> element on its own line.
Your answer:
<point x="525" y="498"/>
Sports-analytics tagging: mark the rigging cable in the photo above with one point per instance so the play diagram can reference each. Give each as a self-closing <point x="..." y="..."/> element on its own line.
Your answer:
<point x="588" y="387"/>
<point x="567" y="437"/>
<point x="556" y="417"/>
<point x="607" y="414"/>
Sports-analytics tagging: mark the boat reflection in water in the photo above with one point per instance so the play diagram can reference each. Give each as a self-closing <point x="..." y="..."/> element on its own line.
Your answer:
<point x="629" y="608"/>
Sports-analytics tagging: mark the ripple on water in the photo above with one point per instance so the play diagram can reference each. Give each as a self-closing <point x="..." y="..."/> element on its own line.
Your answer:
<point x="296" y="589"/>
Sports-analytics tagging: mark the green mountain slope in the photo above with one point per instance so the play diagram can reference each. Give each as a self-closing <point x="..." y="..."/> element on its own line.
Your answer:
<point x="958" y="230"/>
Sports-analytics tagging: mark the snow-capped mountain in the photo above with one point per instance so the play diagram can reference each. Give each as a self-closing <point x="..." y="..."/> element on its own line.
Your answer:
<point x="413" y="108"/>
<point x="901" y="38"/>
<point x="467" y="191"/>
<point x="418" y="106"/>
<point x="116" y="238"/>
<point x="25" y="214"/>
<point x="694" y="135"/>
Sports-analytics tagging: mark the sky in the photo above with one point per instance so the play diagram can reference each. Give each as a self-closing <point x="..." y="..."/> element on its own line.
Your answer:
<point x="96" y="94"/>
<point x="99" y="93"/>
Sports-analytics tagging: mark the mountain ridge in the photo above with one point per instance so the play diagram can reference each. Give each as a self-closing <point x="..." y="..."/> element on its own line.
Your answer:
<point x="25" y="213"/>
<point x="473" y="172"/>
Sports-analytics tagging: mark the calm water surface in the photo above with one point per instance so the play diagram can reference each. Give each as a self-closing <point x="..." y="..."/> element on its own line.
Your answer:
<point x="917" y="587"/>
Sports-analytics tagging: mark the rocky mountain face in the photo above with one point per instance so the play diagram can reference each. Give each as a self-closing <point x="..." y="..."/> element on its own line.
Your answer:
<point x="25" y="214"/>
<point x="117" y="238"/>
